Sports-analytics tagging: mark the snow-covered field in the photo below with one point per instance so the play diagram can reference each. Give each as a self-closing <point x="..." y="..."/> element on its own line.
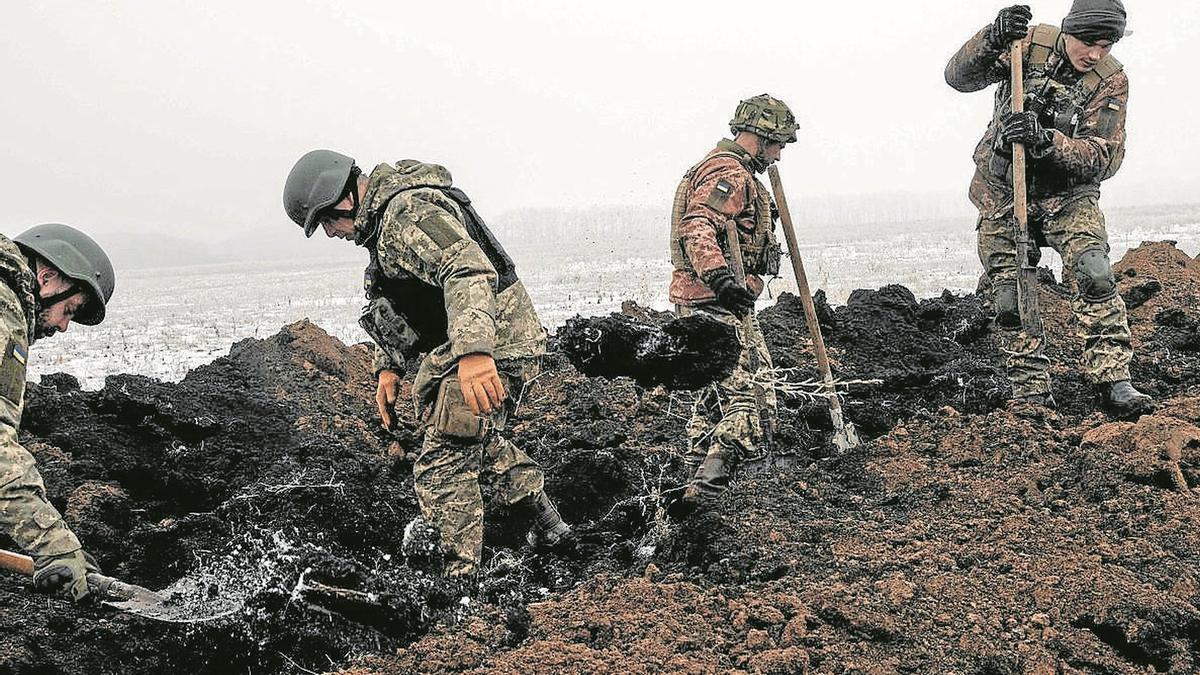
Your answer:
<point x="163" y="322"/>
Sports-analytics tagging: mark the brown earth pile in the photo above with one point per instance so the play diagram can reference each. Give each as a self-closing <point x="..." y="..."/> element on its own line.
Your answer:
<point x="967" y="536"/>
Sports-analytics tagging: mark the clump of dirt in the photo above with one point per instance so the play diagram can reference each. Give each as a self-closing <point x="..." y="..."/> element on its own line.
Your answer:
<point x="967" y="535"/>
<point x="678" y="353"/>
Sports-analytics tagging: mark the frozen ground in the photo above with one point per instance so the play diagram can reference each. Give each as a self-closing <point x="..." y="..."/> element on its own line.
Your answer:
<point x="163" y="322"/>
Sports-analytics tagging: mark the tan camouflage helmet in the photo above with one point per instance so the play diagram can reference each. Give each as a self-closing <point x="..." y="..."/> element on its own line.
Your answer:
<point x="767" y="117"/>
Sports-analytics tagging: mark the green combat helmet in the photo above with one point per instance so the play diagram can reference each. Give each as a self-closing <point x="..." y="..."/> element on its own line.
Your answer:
<point x="317" y="181"/>
<point x="767" y="117"/>
<point x="76" y="256"/>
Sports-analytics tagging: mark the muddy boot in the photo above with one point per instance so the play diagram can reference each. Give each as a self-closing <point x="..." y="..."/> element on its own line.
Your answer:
<point x="1121" y="398"/>
<point x="711" y="480"/>
<point x="691" y="464"/>
<point x="549" y="529"/>
<point x="1045" y="400"/>
<point x="422" y="545"/>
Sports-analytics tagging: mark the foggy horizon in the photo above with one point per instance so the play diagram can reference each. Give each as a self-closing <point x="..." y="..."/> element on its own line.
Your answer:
<point x="184" y="120"/>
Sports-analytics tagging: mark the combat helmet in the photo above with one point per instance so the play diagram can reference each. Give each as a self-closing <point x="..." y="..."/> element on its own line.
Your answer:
<point x="767" y="117"/>
<point x="317" y="181"/>
<point x="78" y="257"/>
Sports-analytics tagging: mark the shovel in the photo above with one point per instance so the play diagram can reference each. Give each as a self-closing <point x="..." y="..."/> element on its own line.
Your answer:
<point x="844" y="436"/>
<point x="168" y="605"/>
<point x="1027" y="293"/>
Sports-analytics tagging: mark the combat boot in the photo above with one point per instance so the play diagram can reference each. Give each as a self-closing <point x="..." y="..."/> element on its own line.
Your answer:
<point x="711" y="480"/>
<point x="549" y="529"/>
<point x="1046" y="400"/>
<point x="1123" y="399"/>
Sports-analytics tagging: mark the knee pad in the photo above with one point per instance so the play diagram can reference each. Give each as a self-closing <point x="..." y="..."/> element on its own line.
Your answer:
<point x="1094" y="276"/>
<point x="1004" y="301"/>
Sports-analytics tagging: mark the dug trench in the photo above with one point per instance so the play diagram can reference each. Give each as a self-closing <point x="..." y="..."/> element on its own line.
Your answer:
<point x="967" y="534"/>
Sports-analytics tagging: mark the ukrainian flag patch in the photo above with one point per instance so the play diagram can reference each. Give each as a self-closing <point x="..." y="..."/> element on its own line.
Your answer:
<point x="18" y="351"/>
<point x="12" y="369"/>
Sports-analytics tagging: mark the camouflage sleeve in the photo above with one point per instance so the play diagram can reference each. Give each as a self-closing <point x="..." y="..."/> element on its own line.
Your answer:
<point x="977" y="65"/>
<point x="425" y="236"/>
<point x="1098" y="146"/>
<point x="25" y="513"/>
<point x="719" y="192"/>
<point x="383" y="361"/>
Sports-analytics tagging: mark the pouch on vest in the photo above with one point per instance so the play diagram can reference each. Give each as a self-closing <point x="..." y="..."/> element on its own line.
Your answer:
<point x="772" y="254"/>
<point x="389" y="330"/>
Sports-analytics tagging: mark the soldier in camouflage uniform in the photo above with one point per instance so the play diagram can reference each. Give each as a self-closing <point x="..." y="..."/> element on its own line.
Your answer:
<point x="51" y="275"/>
<point x="732" y="419"/>
<point x="1074" y="133"/>
<point x="439" y="284"/>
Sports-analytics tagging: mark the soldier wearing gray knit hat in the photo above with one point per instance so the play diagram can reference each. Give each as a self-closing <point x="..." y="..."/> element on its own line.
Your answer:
<point x="1095" y="20"/>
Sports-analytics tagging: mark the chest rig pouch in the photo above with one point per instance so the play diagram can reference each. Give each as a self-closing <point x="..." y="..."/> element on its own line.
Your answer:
<point x="761" y="250"/>
<point x="405" y="315"/>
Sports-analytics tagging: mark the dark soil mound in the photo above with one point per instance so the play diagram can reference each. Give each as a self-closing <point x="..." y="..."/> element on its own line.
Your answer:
<point x="683" y="353"/>
<point x="968" y="536"/>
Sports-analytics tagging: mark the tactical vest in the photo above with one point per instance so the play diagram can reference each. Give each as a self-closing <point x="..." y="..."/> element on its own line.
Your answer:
<point x="420" y="305"/>
<point x="760" y="249"/>
<point x="1060" y="105"/>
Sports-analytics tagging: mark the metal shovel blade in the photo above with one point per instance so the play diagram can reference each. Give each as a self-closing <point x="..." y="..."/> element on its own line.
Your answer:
<point x="844" y="437"/>
<point x="185" y="601"/>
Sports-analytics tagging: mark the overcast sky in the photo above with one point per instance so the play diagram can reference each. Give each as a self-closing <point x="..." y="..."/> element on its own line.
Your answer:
<point x="185" y="117"/>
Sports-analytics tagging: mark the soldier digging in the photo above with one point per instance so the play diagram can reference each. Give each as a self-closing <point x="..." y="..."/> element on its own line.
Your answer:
<point x="52" y="275"/>
<point x="439" y="285"/>
<point x="1073" y="129"/>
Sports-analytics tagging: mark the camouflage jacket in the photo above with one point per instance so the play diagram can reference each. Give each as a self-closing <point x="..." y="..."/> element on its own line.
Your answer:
<point x="25" y="513"/>
<point x="417" y="231"/>
<point x="718" y="189"/>
<point x="1085" y="111"/>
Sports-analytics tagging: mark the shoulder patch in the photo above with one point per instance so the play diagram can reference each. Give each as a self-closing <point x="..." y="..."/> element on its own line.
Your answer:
<point x="12" y="369"/>
<point x="720" y="194"/>
<point x="434" y="227"/>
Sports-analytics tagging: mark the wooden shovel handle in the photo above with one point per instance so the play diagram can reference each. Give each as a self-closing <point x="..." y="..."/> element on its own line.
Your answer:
<point x="733" y="242"/>
<point x="16" y="562"/>
<point x="105" y="586"/>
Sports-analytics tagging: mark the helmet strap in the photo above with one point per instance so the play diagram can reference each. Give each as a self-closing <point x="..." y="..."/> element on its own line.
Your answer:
<point x="759" y="163"/>
<point x="52" y="300"/>
<point x="352" y="188"/>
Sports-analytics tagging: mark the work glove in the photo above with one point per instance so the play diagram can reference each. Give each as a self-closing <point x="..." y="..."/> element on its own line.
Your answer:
<point x="386" y="393"/>
<point x="1024" y="128"/>
<point x="730" y="294"/>
<point x="1012" y="23"/>
<point x="66" y="571"/>
<point x="481" y="386"/>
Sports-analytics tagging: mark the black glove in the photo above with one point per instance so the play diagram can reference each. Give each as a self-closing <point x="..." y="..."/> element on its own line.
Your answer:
<point x="1024" y="128"/>
<point x="1012" y="23"/>
<point x="730" y="294"/>
<point x="65" y="571"/>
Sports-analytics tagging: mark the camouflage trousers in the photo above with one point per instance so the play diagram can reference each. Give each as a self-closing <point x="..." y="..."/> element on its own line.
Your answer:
<point x="458" y="446"/>
<point x="1075" y="232"/>
<point x="733" y="419"/>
